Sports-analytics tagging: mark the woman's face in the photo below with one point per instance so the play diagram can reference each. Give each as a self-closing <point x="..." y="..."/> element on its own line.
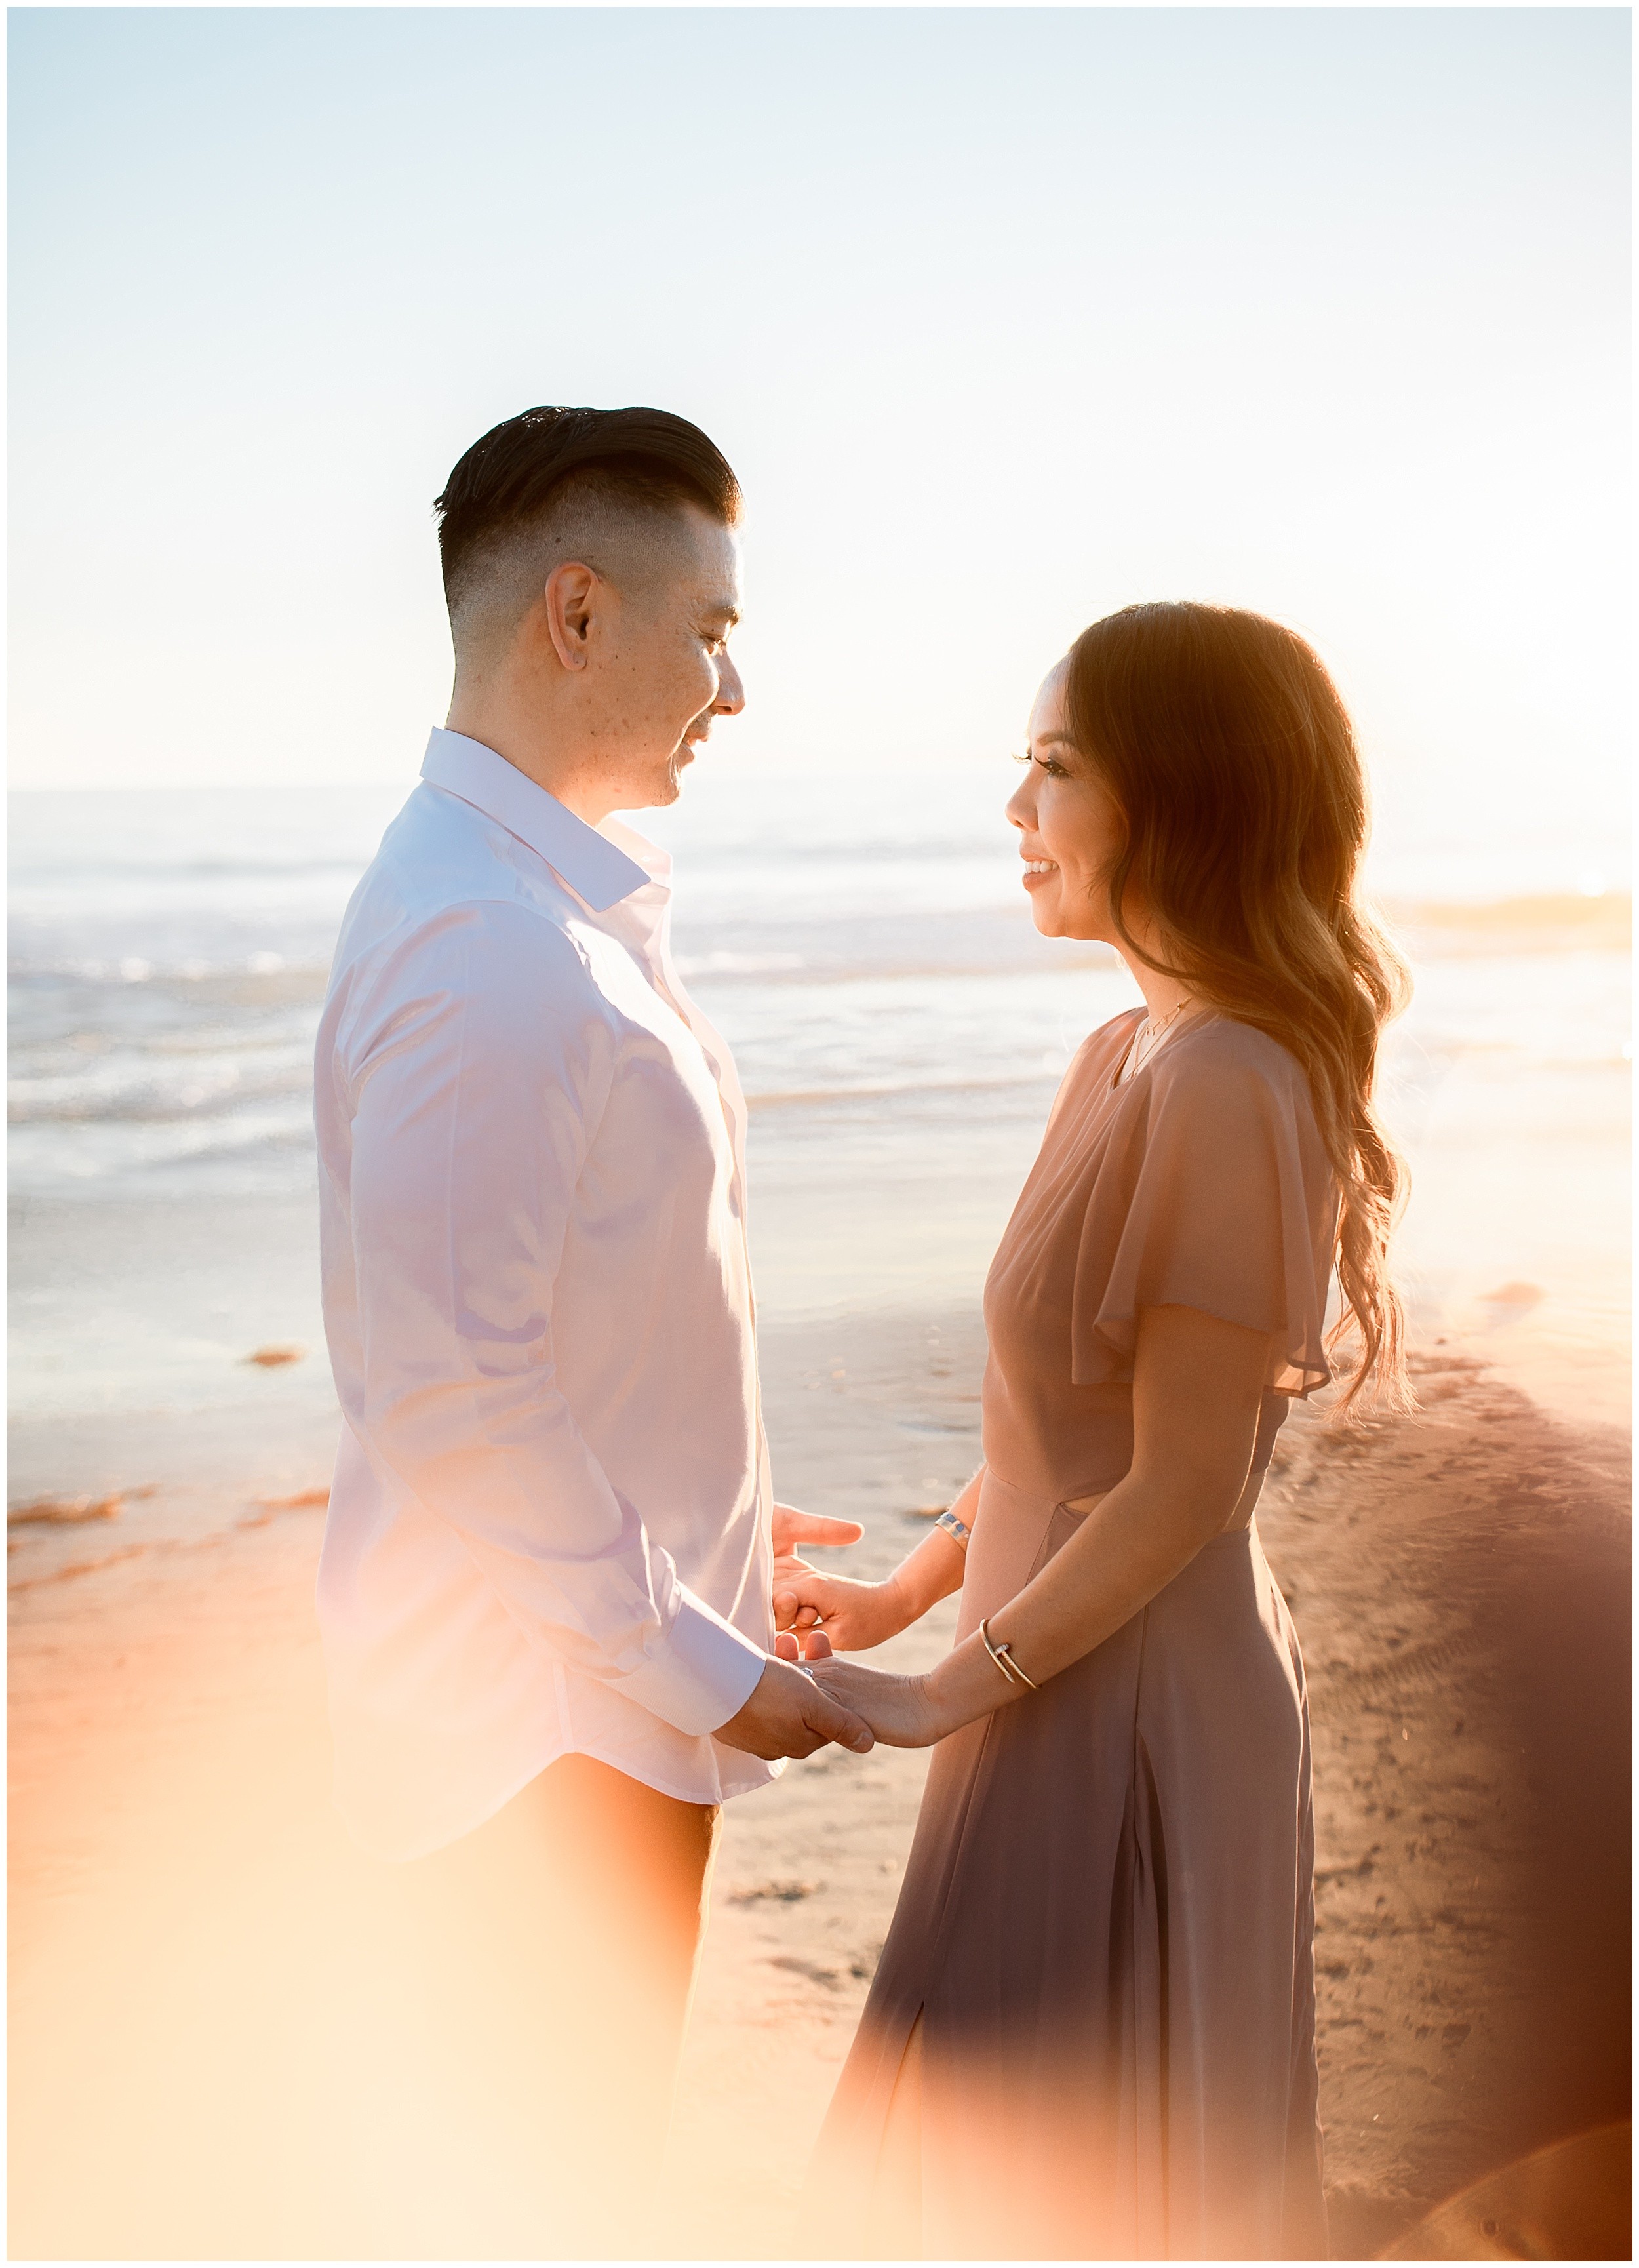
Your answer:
<point x="1069" y="826"/>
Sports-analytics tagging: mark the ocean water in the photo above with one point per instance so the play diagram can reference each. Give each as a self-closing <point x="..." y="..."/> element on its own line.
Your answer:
<point x="863" y="940"/>
<point x="168" y="952"/>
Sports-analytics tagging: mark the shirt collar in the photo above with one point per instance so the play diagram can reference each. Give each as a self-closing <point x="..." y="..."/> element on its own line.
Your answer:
<point x="596" y="869"/>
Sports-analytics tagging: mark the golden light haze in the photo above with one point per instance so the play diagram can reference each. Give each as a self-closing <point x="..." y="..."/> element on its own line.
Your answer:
<point x="1004" y="318"/>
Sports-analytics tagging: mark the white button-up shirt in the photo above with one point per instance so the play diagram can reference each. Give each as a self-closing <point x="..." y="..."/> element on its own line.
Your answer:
<point x="549" y="1526"/>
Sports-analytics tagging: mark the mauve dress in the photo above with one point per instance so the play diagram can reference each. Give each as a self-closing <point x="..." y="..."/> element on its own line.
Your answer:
<point x="1092" y="2032"/>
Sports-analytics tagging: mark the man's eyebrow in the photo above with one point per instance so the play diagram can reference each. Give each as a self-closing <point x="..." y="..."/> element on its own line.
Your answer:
<point x="725" y="607"/>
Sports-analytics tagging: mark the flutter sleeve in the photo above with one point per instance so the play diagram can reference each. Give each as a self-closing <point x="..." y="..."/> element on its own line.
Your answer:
<point x="1214" y="1192"/>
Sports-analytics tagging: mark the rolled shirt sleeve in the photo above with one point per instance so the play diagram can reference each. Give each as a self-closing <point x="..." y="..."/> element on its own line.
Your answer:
<point x="479" y="1057"/>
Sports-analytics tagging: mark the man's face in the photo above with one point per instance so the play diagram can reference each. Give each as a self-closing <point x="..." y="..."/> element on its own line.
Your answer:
<point x="663" y="671"/>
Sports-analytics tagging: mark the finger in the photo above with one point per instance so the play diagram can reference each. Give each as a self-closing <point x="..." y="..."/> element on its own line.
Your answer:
<point x="786" y="1647"/>
<point x="819" y="1647"/>
<point x="833" y="1722"/>
<point x="819" y="1528"/>
<point x="806" y="1617"/>
<point x="785" y="1604"/>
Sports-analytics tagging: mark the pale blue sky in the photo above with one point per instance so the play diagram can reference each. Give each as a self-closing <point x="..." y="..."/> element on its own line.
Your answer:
<point x="1004" y="318"/>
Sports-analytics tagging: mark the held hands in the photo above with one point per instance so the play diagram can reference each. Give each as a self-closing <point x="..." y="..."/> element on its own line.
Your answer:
<point x="855" y="1615"/>
<point x="792" y="1712"/>
<point x="900" y="1710"/>
<point x="813" y="1613"/>
<point x="912" y="1713"/>
<point x="789" y="1714"/>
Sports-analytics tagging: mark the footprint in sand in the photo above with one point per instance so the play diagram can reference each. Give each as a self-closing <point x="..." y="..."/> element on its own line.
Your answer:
<point x="71" y="1510"/>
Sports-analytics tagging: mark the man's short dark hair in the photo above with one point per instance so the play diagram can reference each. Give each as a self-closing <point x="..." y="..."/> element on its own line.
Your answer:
<point x="646" y="459"/>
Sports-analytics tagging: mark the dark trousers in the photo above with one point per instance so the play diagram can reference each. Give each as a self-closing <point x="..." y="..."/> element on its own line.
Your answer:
<point x="554" y="1951"/>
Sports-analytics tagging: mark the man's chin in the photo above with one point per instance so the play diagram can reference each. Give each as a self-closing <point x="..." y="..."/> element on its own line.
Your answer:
<point x="681" y="758"/>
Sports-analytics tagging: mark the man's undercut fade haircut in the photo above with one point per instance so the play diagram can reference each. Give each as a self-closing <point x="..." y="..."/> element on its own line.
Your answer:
<point x="629" y="461"/>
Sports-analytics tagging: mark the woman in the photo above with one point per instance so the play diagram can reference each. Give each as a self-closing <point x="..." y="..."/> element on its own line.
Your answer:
<point x="1092" y="2032"/>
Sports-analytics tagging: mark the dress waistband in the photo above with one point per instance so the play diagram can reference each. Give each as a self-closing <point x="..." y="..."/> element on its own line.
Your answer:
<point x="1242" y="1532"/>
<point x="1015" y="1531"/>
<point x="1008" y="1498"/>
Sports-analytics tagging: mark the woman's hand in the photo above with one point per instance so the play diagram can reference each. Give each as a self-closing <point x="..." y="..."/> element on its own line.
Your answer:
<point x="899" y="1710"/>
<point x="855" y="1616"/>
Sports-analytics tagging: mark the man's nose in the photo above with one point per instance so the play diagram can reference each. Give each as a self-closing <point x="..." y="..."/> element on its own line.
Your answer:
<point x="731" y="691"/>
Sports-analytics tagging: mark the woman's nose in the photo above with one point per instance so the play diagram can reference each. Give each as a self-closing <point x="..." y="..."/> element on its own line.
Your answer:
<point x="1021" y="806"/>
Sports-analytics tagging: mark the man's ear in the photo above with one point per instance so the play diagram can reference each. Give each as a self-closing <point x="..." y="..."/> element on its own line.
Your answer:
<point x="571" y="604"/>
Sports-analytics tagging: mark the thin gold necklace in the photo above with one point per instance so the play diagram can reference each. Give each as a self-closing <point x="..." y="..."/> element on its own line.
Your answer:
<point x="1148" y="1038"/>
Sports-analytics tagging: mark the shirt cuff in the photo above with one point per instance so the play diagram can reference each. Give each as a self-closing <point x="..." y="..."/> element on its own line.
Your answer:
<point x="701" y="1673"/>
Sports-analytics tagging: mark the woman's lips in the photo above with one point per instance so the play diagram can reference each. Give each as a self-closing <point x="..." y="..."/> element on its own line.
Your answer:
<point x="1037" y="871"/>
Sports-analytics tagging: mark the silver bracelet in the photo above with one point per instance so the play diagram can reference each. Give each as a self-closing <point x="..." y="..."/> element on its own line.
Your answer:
<point x="952" y="1525"/>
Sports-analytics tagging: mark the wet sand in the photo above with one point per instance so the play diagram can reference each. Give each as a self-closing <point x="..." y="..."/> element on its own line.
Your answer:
<point x="201" y="2013"/>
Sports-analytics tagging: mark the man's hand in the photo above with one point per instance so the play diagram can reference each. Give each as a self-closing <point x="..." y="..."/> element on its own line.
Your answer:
<point x="793" y="1528"/>
<point x="788" y="1715"/>
<point x="790" y="1568"/>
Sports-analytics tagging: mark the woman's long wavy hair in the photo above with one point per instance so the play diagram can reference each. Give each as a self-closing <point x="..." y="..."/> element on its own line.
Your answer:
<point x="1232" y="760"/>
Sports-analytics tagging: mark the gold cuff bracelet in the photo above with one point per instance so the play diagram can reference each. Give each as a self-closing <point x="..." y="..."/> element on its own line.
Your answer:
<point x="1001" y="1654"/>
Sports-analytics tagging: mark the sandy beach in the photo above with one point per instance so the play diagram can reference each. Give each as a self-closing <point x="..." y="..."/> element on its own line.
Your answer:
<point x="1012" y="323"/>
<point x="206" y="2034"/>
<point x="213" y="2048"/>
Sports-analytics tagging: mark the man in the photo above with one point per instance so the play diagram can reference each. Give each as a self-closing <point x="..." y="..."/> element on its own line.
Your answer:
<point x="544" y="1585"/>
